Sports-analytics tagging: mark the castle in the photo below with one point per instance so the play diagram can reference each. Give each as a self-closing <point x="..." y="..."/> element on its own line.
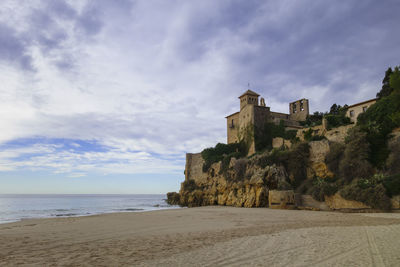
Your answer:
<point x="256" y="113"/>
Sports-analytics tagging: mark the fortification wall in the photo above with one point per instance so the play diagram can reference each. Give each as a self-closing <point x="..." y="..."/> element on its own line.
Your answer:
<point x="194" y="168"/>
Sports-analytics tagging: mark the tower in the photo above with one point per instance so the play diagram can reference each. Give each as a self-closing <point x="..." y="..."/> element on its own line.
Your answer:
<point x="299" y="110"/>
<point x="248" y="98"/>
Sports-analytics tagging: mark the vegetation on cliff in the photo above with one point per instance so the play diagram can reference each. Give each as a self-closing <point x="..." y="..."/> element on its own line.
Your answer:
<point x="263" y="136"/>
<point x="335" y="117"/>
<point x="366" y="151"/>
<point x="223" y="152"/>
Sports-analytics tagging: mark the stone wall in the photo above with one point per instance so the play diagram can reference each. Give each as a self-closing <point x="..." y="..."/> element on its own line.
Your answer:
<point x="194" y="168"/>
<point x="338" y="134"/>
<point x="278" y="142"/>
<point x="299" y="110"/>
<point x="281" y="199"/>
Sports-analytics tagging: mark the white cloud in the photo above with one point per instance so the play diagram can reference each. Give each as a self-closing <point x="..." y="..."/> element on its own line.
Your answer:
<point x="153" y="80"/>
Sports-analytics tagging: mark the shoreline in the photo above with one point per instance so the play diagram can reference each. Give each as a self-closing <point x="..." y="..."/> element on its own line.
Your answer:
<point x="85" y="215"/>
<point x="211" y="235"/>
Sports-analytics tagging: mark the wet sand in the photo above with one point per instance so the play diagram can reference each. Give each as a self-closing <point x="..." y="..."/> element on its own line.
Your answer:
<point x="206" y="236"/>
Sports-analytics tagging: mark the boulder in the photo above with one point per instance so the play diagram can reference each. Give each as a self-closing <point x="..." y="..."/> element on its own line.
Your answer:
<point x="337" y="202"/>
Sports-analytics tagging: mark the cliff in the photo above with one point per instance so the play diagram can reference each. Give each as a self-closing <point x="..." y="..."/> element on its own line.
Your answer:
<point x="245" y="182"/>
<point x="281" y="178"/>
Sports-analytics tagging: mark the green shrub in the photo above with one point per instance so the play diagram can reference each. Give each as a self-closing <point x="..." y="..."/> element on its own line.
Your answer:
<point x="217" y="153"/>
<point x="392" y="162"/>
<point x="189" y="185"/>
<point x="296" y="163"/>
<point x="334" y="157"/>
<point x="263" y="135"/>
<point x="373" y="195"/>
<point x="319" y="188"/>
<point x="313" y="120"/>
<point x="337" y="120"/>
<point x="240" y="168"/>
<point x="173" y="198"/>
<point x="317" y="138"/>
<point x="276" y="156"/>
<point x="354" y="163"/>
<point x="392" y="185"/>
<point x="378" y="122"/>
<point x="308" y="134"/>
<point x="305" y="186"/>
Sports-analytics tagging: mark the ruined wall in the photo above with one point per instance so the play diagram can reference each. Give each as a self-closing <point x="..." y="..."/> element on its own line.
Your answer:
<point x="194" y="167"/>
<point x="299" y="110"/>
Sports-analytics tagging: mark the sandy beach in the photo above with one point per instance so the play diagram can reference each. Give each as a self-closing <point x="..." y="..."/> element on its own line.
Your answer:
<point x="206" y="236"/>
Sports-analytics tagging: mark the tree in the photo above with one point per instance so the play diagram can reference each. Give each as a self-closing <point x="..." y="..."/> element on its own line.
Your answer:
<point x="354" y="163"/>
<point x="394" y="80"/>
<point x="386" y="88"/>
<point x="334" y="109"/>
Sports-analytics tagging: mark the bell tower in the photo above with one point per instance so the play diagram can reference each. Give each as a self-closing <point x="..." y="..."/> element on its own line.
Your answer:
<point x="248" y="98"/>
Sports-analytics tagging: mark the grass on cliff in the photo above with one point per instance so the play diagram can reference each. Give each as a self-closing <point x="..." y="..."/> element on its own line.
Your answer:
<point x="223" y="152"/>
<point x="295" y="160"/>
<point x="263" y="135"/>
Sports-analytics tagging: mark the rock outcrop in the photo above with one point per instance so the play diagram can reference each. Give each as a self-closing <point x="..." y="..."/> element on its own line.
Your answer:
<point x="318" y="152"/>
<point x="337" y="202"/>
<point x="244" y="184"/>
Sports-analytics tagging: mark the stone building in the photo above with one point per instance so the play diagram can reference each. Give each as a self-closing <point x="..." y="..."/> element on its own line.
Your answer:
<point x="354" y="110"/>
<point x="254" y="113"/>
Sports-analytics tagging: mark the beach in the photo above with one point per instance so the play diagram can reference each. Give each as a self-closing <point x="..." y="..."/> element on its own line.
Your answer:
<point x="205" y="236"/>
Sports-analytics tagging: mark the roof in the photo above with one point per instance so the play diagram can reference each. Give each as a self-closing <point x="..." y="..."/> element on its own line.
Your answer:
<point x="249" y="92"/>
<point x="232" y="114"/>
<point x="374" y="99"/>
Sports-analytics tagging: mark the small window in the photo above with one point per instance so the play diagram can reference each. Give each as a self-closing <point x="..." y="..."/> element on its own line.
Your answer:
<point x="365" y="109"/>
<point x="294" y="108"/>
<point x="351" y="113"/>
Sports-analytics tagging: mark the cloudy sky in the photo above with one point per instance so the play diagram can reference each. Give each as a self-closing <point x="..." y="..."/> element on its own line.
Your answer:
<point x="108" y="96"/>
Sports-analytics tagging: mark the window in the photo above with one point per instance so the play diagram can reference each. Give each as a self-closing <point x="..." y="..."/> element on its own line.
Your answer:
<point x="351" y="113"/>
<point x="365" y="109"/>
<point x="294" y="108"/>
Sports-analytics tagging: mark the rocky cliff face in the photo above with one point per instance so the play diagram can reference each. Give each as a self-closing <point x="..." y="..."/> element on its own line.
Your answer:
<point x="246" y="182"/>
<point x="243" y="183"/>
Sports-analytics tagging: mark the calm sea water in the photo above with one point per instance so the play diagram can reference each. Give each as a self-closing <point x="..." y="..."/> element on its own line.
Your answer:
<point x="17" y="207"/>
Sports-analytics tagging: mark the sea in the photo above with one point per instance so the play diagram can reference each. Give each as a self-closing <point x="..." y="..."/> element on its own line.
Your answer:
<point x="19" y="207"/>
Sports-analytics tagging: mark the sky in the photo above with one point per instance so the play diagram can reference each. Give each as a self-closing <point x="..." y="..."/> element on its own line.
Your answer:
<point x="107" y="96"/>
